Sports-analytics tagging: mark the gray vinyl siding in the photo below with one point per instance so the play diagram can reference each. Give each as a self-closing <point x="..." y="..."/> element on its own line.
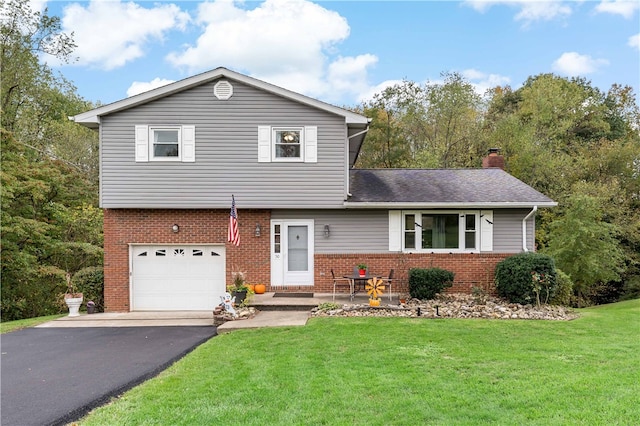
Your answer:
<point x="352" y="231"/>
<point x="226" y="154"/>
<point x="367" y="231"/>
<point x="507" y="230"/>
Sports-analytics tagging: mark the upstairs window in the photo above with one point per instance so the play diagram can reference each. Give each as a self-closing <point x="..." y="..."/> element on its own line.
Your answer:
<point x="165" y="143"/>
<point x="287" y="144"/>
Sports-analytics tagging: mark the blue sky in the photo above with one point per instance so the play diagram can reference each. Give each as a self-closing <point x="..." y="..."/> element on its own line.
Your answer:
<point x="343" y="52"/>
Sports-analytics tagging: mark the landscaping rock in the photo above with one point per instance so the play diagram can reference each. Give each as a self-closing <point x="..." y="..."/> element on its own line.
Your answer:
<point x="455" y="306"/>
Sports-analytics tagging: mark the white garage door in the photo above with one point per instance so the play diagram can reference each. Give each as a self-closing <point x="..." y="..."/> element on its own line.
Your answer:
<point x="177" y="277"/>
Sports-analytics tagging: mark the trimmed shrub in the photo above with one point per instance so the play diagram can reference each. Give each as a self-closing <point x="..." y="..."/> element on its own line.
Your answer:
<point x="426" y="283"/>
<point x="90" y="282"/>
<point x="564" y="290"/>
<point x="526" y="278"/>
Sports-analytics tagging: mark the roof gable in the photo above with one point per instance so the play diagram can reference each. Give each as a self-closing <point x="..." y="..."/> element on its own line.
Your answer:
<point x="92" y="118"/>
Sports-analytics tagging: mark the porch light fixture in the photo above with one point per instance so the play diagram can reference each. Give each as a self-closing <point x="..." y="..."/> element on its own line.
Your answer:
<point x="327" y="231"/>
<point x="258" y="230"/>
<point x="175" y="228"/>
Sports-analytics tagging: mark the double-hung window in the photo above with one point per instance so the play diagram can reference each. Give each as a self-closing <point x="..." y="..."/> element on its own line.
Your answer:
<point x="165" y="143"/>
<point x="441" y="231"/>
<point x="287" y="144"/>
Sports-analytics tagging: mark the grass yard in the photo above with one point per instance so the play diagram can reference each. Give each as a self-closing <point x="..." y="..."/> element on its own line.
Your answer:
<point x="6" y="327"/>
<point x="391" y="371"/>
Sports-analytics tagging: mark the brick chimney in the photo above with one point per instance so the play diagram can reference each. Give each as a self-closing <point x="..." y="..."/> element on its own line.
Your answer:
<point x="494" y="159"/>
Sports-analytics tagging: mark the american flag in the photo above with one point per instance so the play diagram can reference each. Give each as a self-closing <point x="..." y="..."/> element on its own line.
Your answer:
<point x="233" y="235"/>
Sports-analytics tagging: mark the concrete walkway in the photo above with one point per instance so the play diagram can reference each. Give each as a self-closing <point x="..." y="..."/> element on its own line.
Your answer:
<point x="273" y="311"/>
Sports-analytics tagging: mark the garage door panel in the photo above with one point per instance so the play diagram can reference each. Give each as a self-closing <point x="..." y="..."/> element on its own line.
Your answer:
<point x="177" y="277"/>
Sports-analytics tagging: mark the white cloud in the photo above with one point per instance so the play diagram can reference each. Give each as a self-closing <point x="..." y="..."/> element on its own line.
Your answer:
<point x="482" y="82"/>
<point x="529" y="11"/>
<point x="625" y="8"/>
<point x="368" y="94"/>
<point x="288" y="43"/>
<point x="574" y="64"/>
<point x="634" y="41"/>
<point x="38" y="5"/>
<point x="111" y="33"/>
<point x="138" y="87"/>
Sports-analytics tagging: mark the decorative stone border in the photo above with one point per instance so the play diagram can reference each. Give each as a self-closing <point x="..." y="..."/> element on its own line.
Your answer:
<point x="454" y="306"/>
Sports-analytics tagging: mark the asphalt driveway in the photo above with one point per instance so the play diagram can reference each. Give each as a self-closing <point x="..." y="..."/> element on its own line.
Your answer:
<point x="53" y="376"/>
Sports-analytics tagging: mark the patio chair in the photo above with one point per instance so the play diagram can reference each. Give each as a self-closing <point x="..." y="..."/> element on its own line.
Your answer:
<point x="388" y="281"/>
<point x="339" y="281"/>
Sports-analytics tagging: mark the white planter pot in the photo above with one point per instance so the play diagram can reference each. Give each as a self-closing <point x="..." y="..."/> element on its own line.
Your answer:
<point x="74" y="305"/>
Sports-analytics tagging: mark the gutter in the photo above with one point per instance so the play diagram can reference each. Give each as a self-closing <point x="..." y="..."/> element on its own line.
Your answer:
<point x="524" y="228"/>
<point x="445" y="205"/>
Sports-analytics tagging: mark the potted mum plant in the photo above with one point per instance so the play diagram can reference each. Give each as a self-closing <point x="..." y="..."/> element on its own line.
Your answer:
<point x="238" y="289"/>
<point x="72" y="297"/>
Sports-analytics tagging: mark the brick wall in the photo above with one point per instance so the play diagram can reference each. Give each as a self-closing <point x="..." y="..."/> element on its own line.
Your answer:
<point x="125" y="226"/>
<point x="141" y="226"/>
<point x="471" y="270"/>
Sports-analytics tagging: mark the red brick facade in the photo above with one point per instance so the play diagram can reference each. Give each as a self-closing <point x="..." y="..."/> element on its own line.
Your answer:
<point x="143" y="226"/>
<point x="471" y="270"/>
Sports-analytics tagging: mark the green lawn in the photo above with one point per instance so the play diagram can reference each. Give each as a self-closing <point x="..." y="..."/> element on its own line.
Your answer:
<point x="6" y="327"/>
<point x="391" y="371"/>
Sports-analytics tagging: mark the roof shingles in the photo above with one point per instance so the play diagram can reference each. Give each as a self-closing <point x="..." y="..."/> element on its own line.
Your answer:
<point x="441" y="186"/>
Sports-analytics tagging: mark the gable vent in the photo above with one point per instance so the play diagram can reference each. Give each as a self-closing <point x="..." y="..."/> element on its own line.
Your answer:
<point x="223" y="90"/>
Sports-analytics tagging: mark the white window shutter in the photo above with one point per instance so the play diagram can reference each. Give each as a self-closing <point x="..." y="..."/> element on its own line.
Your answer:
<point x="264" y="144"/>
<point x="188" y="144"/>
<point x="142" y="143"/>
<point x="486" y="230"/>
<point x="395" y="230"/>
<point x="311" y="144"/>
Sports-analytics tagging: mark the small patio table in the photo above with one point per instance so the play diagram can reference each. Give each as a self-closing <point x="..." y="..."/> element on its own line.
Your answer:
<point x="359" y="279"/>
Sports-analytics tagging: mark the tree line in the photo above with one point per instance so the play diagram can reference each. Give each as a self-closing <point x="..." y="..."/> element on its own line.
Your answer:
<point x="562" y="136"/>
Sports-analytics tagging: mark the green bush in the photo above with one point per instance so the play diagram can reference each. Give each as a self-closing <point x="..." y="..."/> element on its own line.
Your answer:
<point x="426" y="283"/>
<point x="564" y="290"/>
<point x="515" y="278"/>
<point x="90" y="282"/>
<point x="631" y="288"/>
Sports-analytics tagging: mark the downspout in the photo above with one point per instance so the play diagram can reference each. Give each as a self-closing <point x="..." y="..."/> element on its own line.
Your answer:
<point x="524" y="228"/>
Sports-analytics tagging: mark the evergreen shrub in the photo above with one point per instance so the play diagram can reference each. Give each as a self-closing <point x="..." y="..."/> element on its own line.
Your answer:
<point x="426" y="283"/>
<point x="516" y="278"/>
<point x="564" y="290"/>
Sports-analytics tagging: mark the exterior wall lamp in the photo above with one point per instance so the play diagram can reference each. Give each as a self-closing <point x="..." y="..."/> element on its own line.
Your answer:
<point x="175" y="228"/>
<point x="327" y="231"/>
<point x="258" y="230"/>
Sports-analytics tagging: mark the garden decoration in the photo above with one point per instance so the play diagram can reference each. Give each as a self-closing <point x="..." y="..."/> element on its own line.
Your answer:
<point x="375" y="287"/>
<point x="227" y="302"/>
<point x="72" y="298"/>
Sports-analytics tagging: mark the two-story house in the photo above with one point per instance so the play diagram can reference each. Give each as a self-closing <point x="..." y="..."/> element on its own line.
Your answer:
<point x="171" y="159"/>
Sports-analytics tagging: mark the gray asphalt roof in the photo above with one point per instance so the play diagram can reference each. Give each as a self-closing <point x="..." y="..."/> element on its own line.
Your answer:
<point x="438" y="186"/>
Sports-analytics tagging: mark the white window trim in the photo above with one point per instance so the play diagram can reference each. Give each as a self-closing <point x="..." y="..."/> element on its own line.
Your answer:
<point x="461" y="231"/>
<point x="153" y="129"/>
<point x="298" y="129"/>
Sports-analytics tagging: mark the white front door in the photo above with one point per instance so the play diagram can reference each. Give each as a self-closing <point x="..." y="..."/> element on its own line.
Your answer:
<point x="292" y="252"/>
